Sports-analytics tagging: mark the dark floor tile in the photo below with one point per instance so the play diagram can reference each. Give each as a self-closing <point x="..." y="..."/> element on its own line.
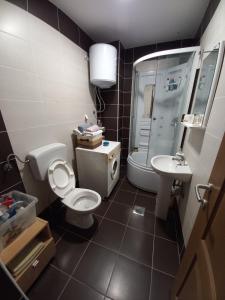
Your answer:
<point x="147" y="194"/>
<point x="101" y="210"/>
<point x="79" y="291"/>
<point x="144" y="223"/>
<point x="88" y="233"/>
<point x="49" y="285"/>
<point x="127" y="186"/>
<point x="125" y="197"/>
<point x="147" y="202"/>
<point x="96" y="267"/>
<point x="130" y="280"/>
<point x="161" y="286"/>
<point x="119" y="212"/>
<point x="114" y="191"/>
<point x="138" y="246"/>
<point x="57" y="233"/>
<point x="161" y="229"/>
<point x="165" y="256"/>
<point x="110" y="234"/>
<point x="68" y="252"/>
<point x="57" y="217"/>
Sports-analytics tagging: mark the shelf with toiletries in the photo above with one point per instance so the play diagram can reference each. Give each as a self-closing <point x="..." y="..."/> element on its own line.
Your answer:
<point x="193" y="121"/>
<point x="189" y="125"/>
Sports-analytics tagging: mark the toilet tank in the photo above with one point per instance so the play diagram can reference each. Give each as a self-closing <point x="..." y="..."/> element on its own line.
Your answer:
<point x="40" y="158"/>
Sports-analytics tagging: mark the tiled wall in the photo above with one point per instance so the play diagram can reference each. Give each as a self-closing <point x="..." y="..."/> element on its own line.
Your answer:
<point x="112" y="97"/>
<point x="201" y="147"/>
<point x="44" y="87"/>
<point x="8" y="180"/>
<point x="53" y="16"/>
<point x="213" y="4"/>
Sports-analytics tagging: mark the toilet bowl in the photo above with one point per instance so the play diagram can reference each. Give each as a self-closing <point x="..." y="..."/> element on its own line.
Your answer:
<point x="80" y="203"/>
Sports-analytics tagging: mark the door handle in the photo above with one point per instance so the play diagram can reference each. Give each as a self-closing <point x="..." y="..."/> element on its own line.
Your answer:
<point x="199" y="187"/>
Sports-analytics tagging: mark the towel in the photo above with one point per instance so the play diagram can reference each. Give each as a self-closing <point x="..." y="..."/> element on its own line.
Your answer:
<point x="93" y="128"/>
<point x="87" y="133"/>
<point x="148" y="98"/>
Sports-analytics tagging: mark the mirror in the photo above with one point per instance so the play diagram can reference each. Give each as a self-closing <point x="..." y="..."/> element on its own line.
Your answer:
<point x="207" y="82"/>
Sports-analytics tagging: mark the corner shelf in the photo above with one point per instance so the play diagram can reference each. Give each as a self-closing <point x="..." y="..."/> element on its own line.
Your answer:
<point x="190" y="125"/>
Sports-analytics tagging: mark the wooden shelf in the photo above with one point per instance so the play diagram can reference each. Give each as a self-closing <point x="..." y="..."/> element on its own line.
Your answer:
<point x="32" y="272"/>
<point x="40" y="230"/>
<point x="14" y="248"/>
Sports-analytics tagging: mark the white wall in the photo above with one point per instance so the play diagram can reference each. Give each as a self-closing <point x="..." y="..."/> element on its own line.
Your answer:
<point x="201" y="148"/>
<point x="44" y="88"/>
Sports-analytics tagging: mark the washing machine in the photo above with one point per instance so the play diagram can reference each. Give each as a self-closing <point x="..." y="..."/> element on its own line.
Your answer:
<point x="99" y="169"/>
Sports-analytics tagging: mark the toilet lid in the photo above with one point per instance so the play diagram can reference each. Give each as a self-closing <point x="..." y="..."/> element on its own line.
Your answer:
<point x="61" y="177"/>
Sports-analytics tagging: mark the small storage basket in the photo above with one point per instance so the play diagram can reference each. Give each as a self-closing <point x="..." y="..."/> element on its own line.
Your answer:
<point x="10" y="229"/>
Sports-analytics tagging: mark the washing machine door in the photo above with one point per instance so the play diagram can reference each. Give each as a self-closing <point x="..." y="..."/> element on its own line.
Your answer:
<point x="114" y="167"/>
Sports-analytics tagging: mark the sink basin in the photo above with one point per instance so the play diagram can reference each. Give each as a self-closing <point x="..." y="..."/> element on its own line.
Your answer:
<point x="164" y="165"/>
<point x="168" y="169"/>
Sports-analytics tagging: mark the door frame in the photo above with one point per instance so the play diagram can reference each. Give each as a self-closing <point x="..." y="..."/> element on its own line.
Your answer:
<point x="204" y="217"/>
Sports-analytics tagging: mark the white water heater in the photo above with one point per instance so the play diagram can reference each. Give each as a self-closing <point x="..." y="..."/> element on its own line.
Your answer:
<point x="103" y="62"/>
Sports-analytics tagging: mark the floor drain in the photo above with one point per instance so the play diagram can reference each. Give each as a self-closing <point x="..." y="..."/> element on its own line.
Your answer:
<point x="139" y="210"/>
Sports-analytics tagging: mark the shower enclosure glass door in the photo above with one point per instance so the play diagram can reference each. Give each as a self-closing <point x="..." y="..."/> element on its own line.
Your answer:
<point x="162" y="88"/>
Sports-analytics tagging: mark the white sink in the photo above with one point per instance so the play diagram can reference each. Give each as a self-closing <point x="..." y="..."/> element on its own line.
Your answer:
<point x="164" y="165"/>
<point x="168" y="169"/>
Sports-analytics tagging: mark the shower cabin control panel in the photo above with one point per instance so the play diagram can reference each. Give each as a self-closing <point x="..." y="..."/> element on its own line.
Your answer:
<point x="99" y="169"/>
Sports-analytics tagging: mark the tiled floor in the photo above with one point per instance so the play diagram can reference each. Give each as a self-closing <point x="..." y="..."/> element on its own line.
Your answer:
<point x="125" y="257"/>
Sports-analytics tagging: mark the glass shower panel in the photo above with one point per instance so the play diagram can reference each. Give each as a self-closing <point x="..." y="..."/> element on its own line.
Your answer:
<point x="134" y="111"/>
<point x="144" y="89"/>
<point x="171" y="85"/>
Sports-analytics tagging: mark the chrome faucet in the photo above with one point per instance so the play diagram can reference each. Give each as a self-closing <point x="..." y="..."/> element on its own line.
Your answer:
<point x="179" y="157"/>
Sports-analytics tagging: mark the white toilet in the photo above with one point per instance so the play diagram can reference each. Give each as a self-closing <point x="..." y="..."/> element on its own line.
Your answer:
<point x="50" y="162"/>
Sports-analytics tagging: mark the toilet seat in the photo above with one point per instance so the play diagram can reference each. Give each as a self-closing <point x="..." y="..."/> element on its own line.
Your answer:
<point x="61" y="177"/>
<point x="82" y="200"/>
<point x="62" y="182"/>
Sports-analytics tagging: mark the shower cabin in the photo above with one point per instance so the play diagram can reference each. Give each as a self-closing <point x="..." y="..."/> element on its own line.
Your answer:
<point x="162" y="85"/>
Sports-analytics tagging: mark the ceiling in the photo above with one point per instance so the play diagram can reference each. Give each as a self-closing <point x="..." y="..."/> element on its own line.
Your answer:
<point x="136" y="22"/>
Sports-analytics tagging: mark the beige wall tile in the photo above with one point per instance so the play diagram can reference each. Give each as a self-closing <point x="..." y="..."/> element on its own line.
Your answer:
<point x="44" y="89"/>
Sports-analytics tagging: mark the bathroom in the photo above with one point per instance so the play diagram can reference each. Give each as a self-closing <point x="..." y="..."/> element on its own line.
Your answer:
<point x="148" y="230"/>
